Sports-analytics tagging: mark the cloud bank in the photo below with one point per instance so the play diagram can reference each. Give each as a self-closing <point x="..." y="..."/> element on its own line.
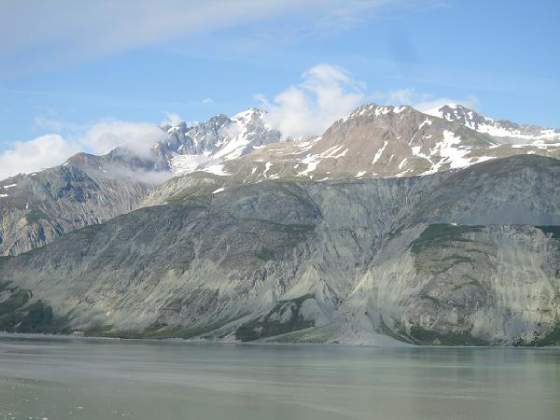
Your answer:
<point x="53" y="149"/>
<point x="103" y="137"/>
<point x="35" y="155"/>
<point x="326" y="94"/>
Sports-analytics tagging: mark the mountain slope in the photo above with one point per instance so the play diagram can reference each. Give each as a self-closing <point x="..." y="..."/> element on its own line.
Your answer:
<point x="372" y="142"/>
<point x="38" y="208"/>
<point x="207" y="145"/>
<point x="383" y="141"/>
<point x="346" y="261"/>
<point x="504" y="131"/>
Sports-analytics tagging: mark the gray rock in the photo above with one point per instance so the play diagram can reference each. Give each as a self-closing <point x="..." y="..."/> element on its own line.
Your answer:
<point x="38" y="208"/>
<point x="354" y="261"/>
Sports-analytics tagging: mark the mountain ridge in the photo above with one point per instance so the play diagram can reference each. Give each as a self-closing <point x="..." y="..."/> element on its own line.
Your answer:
<point x="372" y="142"/>
<point x="503" y="129"/>
<point x="354" y="261"/>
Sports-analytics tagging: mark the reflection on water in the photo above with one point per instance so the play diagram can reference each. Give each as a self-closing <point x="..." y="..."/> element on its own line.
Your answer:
<point x="102" y="379"/>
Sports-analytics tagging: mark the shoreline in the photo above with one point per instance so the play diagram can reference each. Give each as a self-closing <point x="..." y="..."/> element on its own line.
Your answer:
<point x="183" y="341"/>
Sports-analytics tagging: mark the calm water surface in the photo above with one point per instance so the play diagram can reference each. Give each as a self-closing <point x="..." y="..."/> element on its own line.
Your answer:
<point x="81" y="379"/>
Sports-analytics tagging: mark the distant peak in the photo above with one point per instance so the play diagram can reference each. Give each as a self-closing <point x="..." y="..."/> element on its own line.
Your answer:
<point x="249" y="114"/>
<point x="443" y="109"/>
<point x="377" y="110"/>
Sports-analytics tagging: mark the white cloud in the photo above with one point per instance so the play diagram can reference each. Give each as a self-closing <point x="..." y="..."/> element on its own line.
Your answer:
<point x="172" y="118"/>
<point x="50" y="33"/>
<point x="105" y="136"/>
<point x="326" y="94"/>
<point x="207" y="101"/>
<point x="37" y="154"/>
<point x="53" y="149"/>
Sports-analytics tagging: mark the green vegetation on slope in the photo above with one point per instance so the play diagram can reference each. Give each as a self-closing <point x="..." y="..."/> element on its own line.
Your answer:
<point x="437" y="235"/>
<point x="283" y="318"/>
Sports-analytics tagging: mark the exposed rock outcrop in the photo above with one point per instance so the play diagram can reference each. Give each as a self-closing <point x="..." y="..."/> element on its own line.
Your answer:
<point x="421" y="260"/>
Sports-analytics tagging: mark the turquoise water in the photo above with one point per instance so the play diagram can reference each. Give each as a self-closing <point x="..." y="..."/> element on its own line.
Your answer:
<point x="110" y="379"/>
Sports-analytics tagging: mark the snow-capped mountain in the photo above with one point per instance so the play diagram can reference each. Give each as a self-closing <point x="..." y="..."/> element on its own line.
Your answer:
<point x="207" y="145"/>
<point x="382" y="142"/>
<point x="372" y="142"/>
<point x="505" y="131"/>
<point x="330" y="253"/>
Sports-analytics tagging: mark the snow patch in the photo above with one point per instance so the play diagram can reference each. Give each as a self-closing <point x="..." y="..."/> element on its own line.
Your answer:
<point x="181" y="164"/>
<point x="379" y="153"/>
<point x="267" y="167"/>
<point x="311" y="161"/>
<point x="449" y="152"/>
<point x="383" y="110"/>
<point x="437" y="112"/>
<point x="332" y="152"/>
<point x="217" y="169"/>
<point x="426" y="123"/>
<point x="493" y="127"/>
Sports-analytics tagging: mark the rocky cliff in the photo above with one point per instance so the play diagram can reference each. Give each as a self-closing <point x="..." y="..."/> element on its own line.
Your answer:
<point x="40" y="207"/>
<point x="461" y="257"/>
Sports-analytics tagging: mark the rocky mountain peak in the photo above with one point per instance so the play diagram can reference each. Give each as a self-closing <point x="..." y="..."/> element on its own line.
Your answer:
<point x="221" y="138"/>
<point x="250" y="115"/>
<point x="505" y="131"/>
<point x="368" y="111"/>
<point x="377" y="141"/>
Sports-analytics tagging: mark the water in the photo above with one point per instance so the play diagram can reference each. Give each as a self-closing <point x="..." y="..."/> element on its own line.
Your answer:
<point x="63" y="379"/>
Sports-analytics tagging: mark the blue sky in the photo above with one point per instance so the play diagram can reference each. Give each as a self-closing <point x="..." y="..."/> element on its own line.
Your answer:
<point x="64" y="69"/>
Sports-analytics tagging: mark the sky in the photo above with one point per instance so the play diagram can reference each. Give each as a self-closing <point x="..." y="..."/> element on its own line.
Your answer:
<point x="90" y="75"/>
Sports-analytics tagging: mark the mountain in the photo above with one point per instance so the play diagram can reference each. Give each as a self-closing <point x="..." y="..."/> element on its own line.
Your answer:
<point x="393" y="224"/>
<point x="372" y="142"/>
<point x="207" y="145"/>
<point x="506" y="132"/>
<point x="381" y="141"/>
<point x="414" y="259"/>
<point x="40" y="207"/>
